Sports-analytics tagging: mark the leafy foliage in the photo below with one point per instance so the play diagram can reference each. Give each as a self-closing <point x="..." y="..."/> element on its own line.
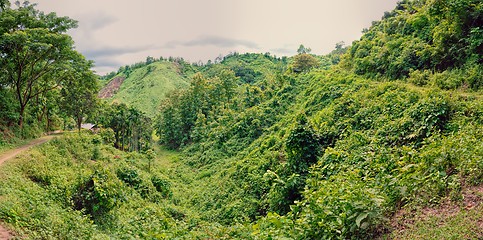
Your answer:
<point x="302" y="146"/>
<point x="421" y="35"/>
<point x="35" y="53"/>
<point x="183" y="110"/>
<point x="132" y="128"/>
<point x="304" y="62"/>
<point x="79" y="96"/>
<point x="99" y="194"/>
<point x="38" y="61"/>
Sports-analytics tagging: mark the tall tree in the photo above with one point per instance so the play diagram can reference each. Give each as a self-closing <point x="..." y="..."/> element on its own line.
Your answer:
<point x="34" y="52"/>
<point x="304" y="62"/>
<point x="79" y="93"/>
<point x="302" y="49"/>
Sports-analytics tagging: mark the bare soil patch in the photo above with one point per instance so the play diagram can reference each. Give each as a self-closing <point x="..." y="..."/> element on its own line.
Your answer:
<point x="111" y="88"/>
<point x="5" y="234"/>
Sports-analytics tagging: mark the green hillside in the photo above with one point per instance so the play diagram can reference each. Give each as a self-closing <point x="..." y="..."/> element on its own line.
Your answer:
<point x="386" y="144"/>
<point x="144" y="87"/>
<point x="146" y="84"/>
<point x="249" y="67"/>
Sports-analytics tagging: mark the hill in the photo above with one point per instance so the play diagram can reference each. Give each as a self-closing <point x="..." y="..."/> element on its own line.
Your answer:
<point x="145" y="86"/>
<point x="435" y="42"/>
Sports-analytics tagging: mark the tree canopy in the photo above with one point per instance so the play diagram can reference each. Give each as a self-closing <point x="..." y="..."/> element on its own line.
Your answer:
<point x="79" y="93"/>
<point x="35" y="53"/>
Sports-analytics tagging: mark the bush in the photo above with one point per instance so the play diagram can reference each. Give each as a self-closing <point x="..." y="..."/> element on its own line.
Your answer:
<point x="419" y="78"/>
<point x="96" y="153"/>
<point x="129" y="176"/>
<point x="107" y="135"/>
<point x="162" y="186"/>
<point x="99" y="193"/>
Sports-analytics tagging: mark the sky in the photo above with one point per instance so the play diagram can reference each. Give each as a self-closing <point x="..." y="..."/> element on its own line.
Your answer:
<point x="115" y="33"/>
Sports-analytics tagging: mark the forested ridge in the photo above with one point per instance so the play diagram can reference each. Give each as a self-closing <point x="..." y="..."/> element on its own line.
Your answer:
<point x="253" y="146"/>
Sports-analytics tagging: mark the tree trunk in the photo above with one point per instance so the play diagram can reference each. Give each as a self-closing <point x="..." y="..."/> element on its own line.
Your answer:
<point x="79" y="123"/>
<point x="21" y="117"/>
<point x="48" y="120"/>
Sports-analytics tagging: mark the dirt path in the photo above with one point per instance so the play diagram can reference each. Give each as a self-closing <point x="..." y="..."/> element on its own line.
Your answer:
<point x="5" y="234"/>
<point x="14" y="152"/>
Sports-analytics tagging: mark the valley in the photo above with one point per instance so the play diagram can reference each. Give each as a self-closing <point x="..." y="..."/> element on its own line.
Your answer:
<point x="380" y="139"/>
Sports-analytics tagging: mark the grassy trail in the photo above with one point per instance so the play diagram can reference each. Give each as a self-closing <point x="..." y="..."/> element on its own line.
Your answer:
<point x="9" y="154"/>
<point x="181" y="176"/>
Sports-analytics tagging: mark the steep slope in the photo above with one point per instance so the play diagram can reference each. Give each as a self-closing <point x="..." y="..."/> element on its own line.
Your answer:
<point x="145" y="87"/>
<point x="329" y="154"/>
<point x="439" y="41"/>
<point x="111" y="87"/>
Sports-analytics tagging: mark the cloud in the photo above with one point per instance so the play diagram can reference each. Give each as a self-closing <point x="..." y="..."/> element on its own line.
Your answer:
<point x="107" y="62"/>
<point x="95" y="21"/>
<point x="113" y="51"/>
<point x="284" y="51"/>
<point x="107" y="59"/>
<point x="213" y="41"/>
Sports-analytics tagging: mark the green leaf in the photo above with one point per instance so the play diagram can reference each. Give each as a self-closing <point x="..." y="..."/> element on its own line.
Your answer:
<point x="360" y="218"/>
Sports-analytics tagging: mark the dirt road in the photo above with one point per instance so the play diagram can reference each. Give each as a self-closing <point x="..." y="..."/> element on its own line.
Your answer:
<point x="14" y="152"/>
<point x="5" y="234"/>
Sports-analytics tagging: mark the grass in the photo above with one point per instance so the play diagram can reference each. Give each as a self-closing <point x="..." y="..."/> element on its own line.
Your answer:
<point x="37" y="189"/>
<point x="147" y="86"/>
<point x="466" y="224"/>
<point x="460" y="218"/>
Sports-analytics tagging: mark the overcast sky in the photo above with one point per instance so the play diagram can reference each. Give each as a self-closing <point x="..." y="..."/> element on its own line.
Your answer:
<point x="114" y="33"/>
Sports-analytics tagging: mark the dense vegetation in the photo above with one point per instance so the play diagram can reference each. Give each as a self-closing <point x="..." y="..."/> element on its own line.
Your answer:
<point x="437" y="42"/>
<point x="44" y="80"/>
<point x="260" y="147"/>
<point x="47" y="85"/>
<point x="147" y="83"/>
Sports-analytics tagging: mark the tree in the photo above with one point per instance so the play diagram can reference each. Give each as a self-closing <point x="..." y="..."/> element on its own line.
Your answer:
<point x="79" y="93"/>
<point x="339" y="46"/>
<point x="132" y="128"/>
<point x="8" y="113"/>
<point x="170" y="123"/>
<point x="336" y="54"/>
<point x="149" y="60"/>
<point x="302" y="49"/>
<point x="34" y="52"/>
<point x="302" y="146"/>
<point x="4" y="4"/>
<point x="304" y="62"/>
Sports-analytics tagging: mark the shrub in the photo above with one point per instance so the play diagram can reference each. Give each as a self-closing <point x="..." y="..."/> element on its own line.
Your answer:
<point x="107" y="135"/>
<point x="130" y="176"/>
<point x="162" y="186"/>
<point x="96" y="153"/>
<point x="302" y="146"/>
<point x="98" y="194"/>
